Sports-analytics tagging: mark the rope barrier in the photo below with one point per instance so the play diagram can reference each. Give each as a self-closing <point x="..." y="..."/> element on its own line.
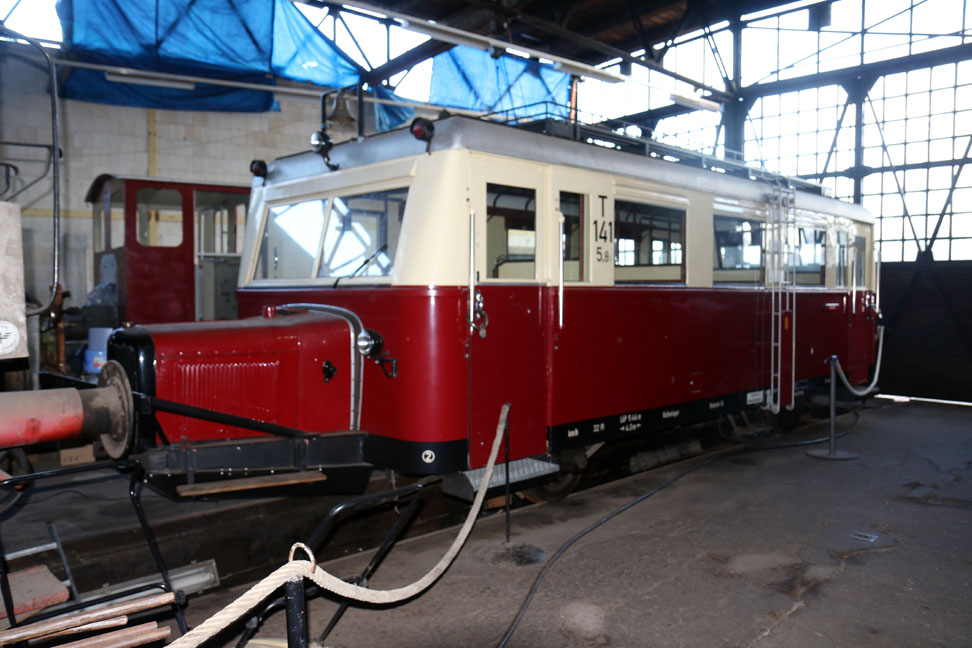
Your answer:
<point x="299" y="569"/>
<point x="861" y="393"/>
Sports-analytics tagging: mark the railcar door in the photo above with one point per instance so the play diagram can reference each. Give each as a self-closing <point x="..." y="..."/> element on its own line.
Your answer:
<point x="581" y="357"/>
<point x="506" y="349"/>
<point x="160" y="279"/>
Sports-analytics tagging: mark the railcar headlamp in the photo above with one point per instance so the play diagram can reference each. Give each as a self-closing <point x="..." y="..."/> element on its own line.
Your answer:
<point x="370" y="343"/>
<point x="319" y="141"/>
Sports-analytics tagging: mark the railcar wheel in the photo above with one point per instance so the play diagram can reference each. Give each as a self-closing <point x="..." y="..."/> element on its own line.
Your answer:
<point x="13" y="462"/>
<point x="572" y="464"/>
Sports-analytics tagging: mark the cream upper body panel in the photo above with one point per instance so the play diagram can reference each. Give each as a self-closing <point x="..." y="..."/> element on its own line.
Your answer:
<point x="448" y="183"/>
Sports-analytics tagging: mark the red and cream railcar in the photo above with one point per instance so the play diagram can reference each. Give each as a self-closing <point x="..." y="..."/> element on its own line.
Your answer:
<point x="392" y="304"/>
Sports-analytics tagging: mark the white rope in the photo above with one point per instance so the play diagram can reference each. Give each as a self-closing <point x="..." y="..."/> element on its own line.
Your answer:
<point x="297" y="569"/>
<point x="861" y="393"/>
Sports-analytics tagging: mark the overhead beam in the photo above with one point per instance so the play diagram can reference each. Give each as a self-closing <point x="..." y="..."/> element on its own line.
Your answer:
<point x="610" y="51"/>
<point x="412" y="57"/>
<point x="675" y="7"/>
<point x="877" y="69"/>
<point x="463" y="18"/>
<point x="888" y="168"/>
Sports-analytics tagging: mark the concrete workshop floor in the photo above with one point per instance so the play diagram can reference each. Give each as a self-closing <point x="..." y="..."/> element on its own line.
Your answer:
<point x="754" y="549"/>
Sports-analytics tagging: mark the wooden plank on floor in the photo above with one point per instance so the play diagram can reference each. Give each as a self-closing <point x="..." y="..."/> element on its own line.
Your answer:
<point x="251" y="483"/>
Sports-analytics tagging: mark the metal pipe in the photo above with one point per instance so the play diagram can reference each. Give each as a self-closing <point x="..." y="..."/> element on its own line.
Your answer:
<point x="853" y="271"/>
<point x="52" y="530"/>
<point x="56" y="153"/>
<point x="135" y="495"/>
<point x="404" y="519"/>
<point x="832" y="453"/>
<point x="506" y="470"/>
<point x="57" y="472"/>
<point x="358" y="504"/>
<point x="833" y="404"/>
<point x="560" y="275"/>
<point x="472" y="269"/>
<point x="360" y="109"/>
<point x="5" y="594"/>
<point x="357" y="360"/>
<point x="213" y="416"/>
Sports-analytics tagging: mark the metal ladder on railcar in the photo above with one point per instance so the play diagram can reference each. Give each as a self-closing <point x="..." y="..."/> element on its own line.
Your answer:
<point x="781" y="233"/>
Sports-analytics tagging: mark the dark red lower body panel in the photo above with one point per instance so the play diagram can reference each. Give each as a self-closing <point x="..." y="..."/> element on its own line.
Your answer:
<point x="625" y="356"/>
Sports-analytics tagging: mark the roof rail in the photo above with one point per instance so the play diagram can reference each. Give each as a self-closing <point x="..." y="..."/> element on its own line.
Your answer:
<point x="556" y="120"/>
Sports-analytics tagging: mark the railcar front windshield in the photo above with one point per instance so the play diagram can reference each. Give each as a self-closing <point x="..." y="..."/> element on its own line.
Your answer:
<point x="342" y="235"/>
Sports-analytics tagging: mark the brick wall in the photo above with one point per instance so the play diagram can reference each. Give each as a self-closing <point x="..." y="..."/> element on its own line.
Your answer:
<point x="96" y="139"/>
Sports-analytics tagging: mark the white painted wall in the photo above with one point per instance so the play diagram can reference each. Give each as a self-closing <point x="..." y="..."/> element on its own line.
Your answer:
<point x="97" y="138"/>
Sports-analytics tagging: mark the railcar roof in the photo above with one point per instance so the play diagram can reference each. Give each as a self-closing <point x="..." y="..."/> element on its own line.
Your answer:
<point x="458" y="132"/>
<point x="94" y="191"/>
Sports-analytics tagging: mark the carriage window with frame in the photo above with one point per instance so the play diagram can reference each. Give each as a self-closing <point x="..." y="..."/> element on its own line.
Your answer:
<point x="291" y="239"/>
<point x="572" y="207"/>
<point x="511" y="232"/>
<point x="859" y="250"/>
<point x="843" y="261"/>
<point x="362" y="234"/>
<point x="811" y="254"/>
<point x="648" y="242"/>
<point x="738" y="250"/>
<point x="158" y="217"/>
<point x="220" y="221"/>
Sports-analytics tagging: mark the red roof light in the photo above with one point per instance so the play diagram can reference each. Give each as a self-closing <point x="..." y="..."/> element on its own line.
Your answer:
<point x="422" y="129"/>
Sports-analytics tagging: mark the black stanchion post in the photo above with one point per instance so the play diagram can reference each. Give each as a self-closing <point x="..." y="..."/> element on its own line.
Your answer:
<point x="296" y="613"/>
<point x="832" y="452"/>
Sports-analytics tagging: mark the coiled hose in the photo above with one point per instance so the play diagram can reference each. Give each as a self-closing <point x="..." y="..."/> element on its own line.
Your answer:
<point x="298" y="569"/>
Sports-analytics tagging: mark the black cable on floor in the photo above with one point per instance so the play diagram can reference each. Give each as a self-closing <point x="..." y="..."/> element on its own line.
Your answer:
<point x="641" y="498"/>
<point x="580" y="534"/>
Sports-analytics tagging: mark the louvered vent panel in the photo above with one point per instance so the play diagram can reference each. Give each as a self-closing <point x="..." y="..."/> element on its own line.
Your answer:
<point x="244" y="388"/>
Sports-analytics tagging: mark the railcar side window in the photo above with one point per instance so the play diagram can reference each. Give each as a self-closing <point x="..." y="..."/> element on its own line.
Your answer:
<point x="291" y="240"/>
<point x="572" y="207"/>
<point x="158" y="219"/>
<point x="220" y="221"/>
<point x="860" y="260"/>
<point x="843" y="260"/>
<point x="362" y="234"/>
<point x="811" y="249"/>
<point x="738" y="250"/>
<point x="511" y="232"/>
<point x="115" y="219"/>
<point x="648" y="242"/>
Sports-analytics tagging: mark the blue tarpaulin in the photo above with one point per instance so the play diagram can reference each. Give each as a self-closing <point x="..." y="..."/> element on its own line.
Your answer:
<point x="388" y="117"/>
<point x="241" y="40"/>
<point x="466" y="77"/>
<point x="257" y="41"/>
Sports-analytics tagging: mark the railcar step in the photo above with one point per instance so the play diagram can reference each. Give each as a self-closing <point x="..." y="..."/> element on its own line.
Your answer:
<point x="465" y="484"/>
